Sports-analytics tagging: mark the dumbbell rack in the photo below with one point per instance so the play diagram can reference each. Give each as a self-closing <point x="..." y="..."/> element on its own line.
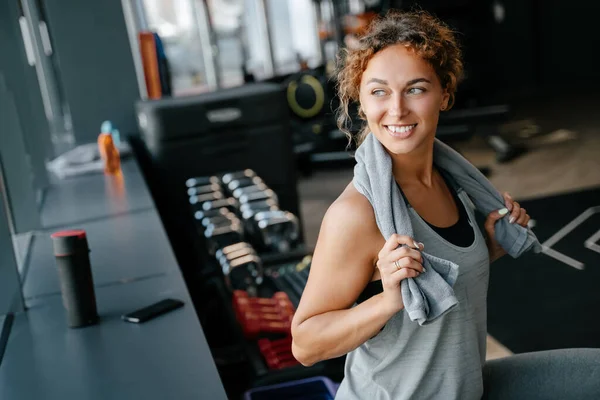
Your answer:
<point x="247" y="353"/>
<point x="240" y="360"/>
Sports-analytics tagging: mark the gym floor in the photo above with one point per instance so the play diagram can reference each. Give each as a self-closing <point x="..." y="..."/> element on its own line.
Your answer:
<point x="563" y="140"/>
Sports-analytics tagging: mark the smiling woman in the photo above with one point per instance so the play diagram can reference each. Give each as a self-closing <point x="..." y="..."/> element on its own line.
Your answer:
<point x="431" y="50"/>
<point x="377" y="235"/>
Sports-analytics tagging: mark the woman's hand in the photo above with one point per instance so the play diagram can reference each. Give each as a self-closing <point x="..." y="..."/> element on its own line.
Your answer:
<point x="516" y="215"/>
<point x="395" y="263"/>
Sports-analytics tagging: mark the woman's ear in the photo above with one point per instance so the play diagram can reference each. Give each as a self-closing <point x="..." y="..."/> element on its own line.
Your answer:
<point x="445" y="100"/>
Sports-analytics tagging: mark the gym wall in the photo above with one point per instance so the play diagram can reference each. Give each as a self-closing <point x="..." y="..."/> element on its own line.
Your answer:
<point x="96" y="66"/>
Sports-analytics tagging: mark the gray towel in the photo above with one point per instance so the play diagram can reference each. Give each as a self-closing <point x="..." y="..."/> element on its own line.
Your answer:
<point x="430" y="295"/>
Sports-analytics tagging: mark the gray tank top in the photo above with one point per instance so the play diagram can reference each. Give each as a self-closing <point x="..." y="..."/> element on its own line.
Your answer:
<point x="442" y="360"/>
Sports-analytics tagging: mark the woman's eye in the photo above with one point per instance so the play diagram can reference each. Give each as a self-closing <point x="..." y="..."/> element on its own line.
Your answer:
<point x="416" y="90"/>
<point x="378" y="92"/>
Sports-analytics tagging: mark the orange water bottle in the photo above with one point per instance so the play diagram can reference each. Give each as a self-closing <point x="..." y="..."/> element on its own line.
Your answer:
<point x="109" y="153"/>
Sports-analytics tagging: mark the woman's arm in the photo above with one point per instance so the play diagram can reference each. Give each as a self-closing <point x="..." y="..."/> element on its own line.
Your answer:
<point x="325" y="326"/>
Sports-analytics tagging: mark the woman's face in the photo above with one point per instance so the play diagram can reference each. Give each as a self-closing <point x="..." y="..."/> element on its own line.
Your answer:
<point x="401" y="97"/>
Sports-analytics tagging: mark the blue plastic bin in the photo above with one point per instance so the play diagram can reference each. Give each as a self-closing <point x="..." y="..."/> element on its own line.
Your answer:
<point x="316" y="388"/>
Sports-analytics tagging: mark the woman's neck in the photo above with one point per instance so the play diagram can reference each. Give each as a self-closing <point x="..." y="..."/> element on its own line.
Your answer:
<point x="414" y="168"/>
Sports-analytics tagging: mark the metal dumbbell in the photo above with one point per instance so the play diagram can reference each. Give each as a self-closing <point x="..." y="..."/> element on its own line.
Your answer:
<point x="219" y="219"/>
<point x="208" y="225"/>
<point x="256" y="206"/>
<point x="277" y="231"/>
<point x="202" y="214"/>
<point x="249" y="216"/>
<point x="205" y="189"/>
<point x="199" y="199"/>
<point x="249" y="189"/>
<point x="243" y="182"/>
<point x="202" y="180"/>
<point x="247" y="173"/>
<point x="229" y="202"/>
<point x="226" y="259"/>
<point x="232" y="248"/>
<point x="258" y="196"/>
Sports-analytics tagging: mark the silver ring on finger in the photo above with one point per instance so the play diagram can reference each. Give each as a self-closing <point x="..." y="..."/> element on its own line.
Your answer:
<point x="397" y="264"/>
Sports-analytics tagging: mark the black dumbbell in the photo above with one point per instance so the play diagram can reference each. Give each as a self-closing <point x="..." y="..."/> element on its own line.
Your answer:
<point x="223" y="237"/>
<point x="219" y="219"/>
<point x="230" y="176"/>
<point x="205" y="189"/>
<point x="244" y="272"/>
<point x="202" y="180"/>
<point x="222" y="223"/>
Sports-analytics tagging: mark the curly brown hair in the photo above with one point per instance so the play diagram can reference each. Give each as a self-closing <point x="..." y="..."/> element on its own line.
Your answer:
<point x="426" y="35"/>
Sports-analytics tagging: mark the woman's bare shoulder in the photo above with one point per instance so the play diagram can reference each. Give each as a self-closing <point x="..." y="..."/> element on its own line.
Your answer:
<point x="351" y="213"/>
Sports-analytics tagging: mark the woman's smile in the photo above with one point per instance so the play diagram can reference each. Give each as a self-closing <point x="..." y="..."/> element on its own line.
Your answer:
<point x="400" y="131"/>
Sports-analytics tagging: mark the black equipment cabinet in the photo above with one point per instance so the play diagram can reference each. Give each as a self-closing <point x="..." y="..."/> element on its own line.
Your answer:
<point x="217" y="132"/>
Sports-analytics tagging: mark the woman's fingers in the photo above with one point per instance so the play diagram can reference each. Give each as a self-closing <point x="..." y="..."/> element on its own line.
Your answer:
<point x="404" y="251"/>
<point x="400" y="252"/>
<point x="515" y="212"/>
<point x="396" y="240"/>
<point x="508" y="201"/>
<point x="403" y="273"/>
<point x="404" y="263"/>
<point x="523" y="218"/>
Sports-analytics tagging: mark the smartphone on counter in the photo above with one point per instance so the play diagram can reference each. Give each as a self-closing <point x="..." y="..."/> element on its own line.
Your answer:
<point x="152" y="311"/>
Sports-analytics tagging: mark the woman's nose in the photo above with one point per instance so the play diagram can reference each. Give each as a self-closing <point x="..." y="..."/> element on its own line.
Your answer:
<point x="397" y="106"/>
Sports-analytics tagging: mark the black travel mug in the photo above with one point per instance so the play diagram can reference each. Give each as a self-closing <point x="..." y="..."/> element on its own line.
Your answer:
<point x="74" y="271"/>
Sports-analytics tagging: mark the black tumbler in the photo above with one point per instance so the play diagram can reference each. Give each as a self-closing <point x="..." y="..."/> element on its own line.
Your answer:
<point x="76" y="283"/>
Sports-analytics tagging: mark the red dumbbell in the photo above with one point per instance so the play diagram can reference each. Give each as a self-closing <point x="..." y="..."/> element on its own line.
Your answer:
<point x="280" y="299"/>
<point x="281" y="356"/>
<point x="277" y="353"/>
<point x="253" y="326"/>
<point x="275" y="359"/>
<point x="247" y="306"/>
<point x="275" y="345"/>
<point x="263" y="313"/>
<point x="244" y="305"/>
<point x="281" y="363"/>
